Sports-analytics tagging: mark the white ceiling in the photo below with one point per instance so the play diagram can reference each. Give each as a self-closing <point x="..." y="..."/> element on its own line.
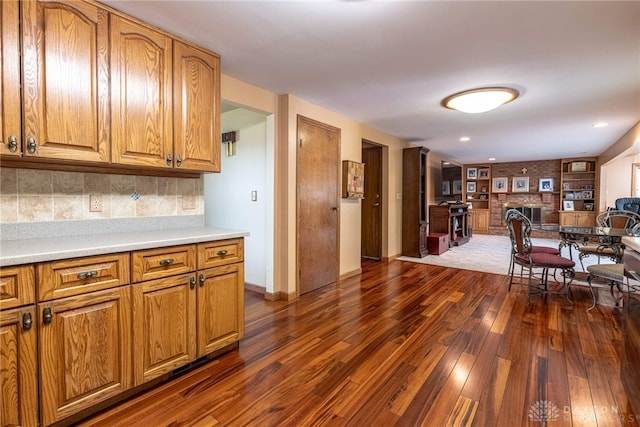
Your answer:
<point x="388" y="64"/>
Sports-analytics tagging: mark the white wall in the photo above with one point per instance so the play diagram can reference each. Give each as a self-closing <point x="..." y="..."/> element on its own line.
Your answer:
<point x="227" y="195"/>
<point x="616" y="179"/>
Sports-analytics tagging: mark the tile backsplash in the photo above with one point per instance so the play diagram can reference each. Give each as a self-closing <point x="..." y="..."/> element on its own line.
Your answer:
<point x="40" y="195"/>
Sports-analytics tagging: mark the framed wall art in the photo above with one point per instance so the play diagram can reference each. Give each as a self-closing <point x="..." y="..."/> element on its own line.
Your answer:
<point x="457" y="186"/>
<point x="352" y="180"/>
<point x="520" y="184"/>
<point x="483" y="173"/>
<point x="472" y="173"/>
<point x="500" y="185"/>
<point x="446" y="188"/>
<point x="546" y="184"/>
<point x="471" y="187"/>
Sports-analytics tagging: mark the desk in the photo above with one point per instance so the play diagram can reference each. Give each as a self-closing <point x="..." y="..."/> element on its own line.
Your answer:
<point x="612" y="237"/>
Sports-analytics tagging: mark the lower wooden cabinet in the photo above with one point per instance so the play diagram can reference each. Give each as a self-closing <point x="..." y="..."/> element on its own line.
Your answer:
<point x="89" y="335"/>
<point x="479" y="219"/>
<point x="220" y="307"/>
<point x="578" y="218"/>
<point x="164" y="326"/>
<point x="18" y="363"/>
<point x="85" y="351"/>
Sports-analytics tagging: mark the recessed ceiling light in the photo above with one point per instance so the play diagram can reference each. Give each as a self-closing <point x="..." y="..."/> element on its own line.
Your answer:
<point x="600" y="125"/>
<point x="492" y="159"/>
<point x="465" y="139"/>
<point x="480" y="100"/>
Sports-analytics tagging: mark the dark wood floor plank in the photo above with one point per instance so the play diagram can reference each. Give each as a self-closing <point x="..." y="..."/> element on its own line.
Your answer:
<point x="402" y="344"/>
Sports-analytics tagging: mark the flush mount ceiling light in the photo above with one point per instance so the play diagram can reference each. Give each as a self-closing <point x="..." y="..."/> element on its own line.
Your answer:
<point x="480" y="100"/>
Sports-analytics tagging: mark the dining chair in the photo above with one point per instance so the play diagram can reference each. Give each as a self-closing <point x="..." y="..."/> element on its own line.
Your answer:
<point x="542" y="262"/>
<point x="603" y="248"/>
<point x="612" y="274"/>
<point x="533" y="248"/>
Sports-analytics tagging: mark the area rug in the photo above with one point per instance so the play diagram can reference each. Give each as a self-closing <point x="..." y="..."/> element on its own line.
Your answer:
<point x="489" y="254"/>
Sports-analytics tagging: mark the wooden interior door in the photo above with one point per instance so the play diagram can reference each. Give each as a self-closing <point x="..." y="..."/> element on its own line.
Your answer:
<point x="372" y="203"/>
<point x="318" y="172"/>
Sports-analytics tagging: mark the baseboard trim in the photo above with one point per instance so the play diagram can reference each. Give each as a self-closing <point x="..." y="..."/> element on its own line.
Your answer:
<point x="255" y="288"/>
<point x="352" y="273"/>
<point x="280" y="296"/>
<point x="390" y="258"/>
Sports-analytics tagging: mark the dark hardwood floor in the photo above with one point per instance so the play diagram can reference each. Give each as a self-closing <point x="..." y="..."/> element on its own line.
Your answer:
<point x="404" y="344"/>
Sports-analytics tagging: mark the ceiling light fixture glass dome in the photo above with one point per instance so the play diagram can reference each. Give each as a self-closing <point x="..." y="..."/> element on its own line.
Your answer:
<point x="480" y="100"/>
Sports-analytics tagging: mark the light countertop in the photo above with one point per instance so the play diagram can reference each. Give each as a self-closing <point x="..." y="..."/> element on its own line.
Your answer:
<point x="25" y="251"/>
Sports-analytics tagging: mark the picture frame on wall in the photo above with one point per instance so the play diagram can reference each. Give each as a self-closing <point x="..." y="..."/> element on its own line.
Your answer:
<point x="499" y="185"/>
<point x="567" y="205"/>
<point x="446" y="188"/>
<point x="457" y="186"/>
<point x="471" y="187"/>
<point x="520" y="184"/>
<point x="578" y="167"/>
<point x="472" y="173"/>
<point x="545" y="185"/>
<point x="483" y="173"/>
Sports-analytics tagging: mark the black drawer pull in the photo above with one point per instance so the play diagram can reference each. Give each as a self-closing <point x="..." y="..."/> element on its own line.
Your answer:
<point x="222" y="252"/>
<point x="166" y="262"/>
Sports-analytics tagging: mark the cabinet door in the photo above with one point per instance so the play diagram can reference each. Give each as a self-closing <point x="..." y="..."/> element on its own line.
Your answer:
<point x="480" y="221"/>
<point x="140" y="95"/>
<point x="220" y="307"/>
<point x="164" y="319"/>
<point x="18" y="376"/>
<point x="65" y="80"/>
<point x="196" y="117"/>
<point x="85" y="351"/>
<point x="585" y="219"/>
<point x="569" y="219"/>
<point x="10" y="125"/>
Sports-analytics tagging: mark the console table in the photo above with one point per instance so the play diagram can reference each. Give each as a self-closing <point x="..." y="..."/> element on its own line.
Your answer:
<point x="450" y="219"/>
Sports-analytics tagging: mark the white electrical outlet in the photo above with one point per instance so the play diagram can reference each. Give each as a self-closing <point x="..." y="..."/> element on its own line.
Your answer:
<point x="95" y="202"/>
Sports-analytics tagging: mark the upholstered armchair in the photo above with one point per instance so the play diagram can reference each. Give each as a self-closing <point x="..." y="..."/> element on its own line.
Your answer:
<point x="631" y="204"/>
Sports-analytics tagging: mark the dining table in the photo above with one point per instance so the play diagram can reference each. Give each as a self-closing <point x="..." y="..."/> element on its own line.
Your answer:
<point x="573" y="237"/>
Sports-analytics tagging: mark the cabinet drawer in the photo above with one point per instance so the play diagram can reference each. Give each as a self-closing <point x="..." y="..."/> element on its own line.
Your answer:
<point x="220" y="252"/>
<point x="17" y="286"/>
<point x="163" y="262"/>
<point x="78" y="276"/>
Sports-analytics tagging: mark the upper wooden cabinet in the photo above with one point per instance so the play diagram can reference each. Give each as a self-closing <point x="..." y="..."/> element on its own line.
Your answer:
<point x="65" y="81"/>
<point x="141" y="95"/>
<point x="99" y="89"/>
<point x="196" y="108"/>
<point x="10" y="125"/>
